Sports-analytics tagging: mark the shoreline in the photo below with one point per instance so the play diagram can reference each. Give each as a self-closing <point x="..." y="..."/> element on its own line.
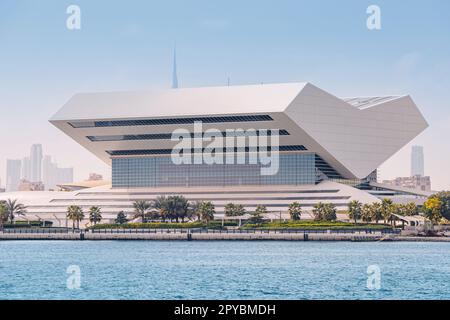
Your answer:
<point x="218" y="237"/>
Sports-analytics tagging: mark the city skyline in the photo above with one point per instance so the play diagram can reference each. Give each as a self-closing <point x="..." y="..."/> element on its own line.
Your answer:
<point x="134" y="50"/>
<point x="36" y="168"/>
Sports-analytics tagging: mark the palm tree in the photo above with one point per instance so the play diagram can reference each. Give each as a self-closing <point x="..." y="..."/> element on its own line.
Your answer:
<point x="260" y="209"/>
<point x="13" y="209"/>
<point x="354" y="210"/>
<point x="161" y="205"/>
<point x="95" y="215"/>
<point x="386" y="209"/>
<point x="240" y="210"/>
<point x="377" y="211"/>
<point x="207" y="211"/>
<point x="140" y="209"/>
<point x="329" y="212"/>
<point x="75" y="213"/>
<point x="366" y="213"/>
<point x="234" y="210"/>
<point x="178" y="207"/>
<point x="195" y="209"/>
<point x="121" y="218"/>
<point x="410" y="209"/>
<point x="3" y="215"/>
<point x="229" y="210"/>
<point x="258" y="215"/>
<point x="318" y="211"/>
<point x="184" y="211"/>
<point x="295" y="211"/>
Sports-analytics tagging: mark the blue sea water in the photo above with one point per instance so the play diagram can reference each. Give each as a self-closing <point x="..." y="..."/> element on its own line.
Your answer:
<point x="223" y="270"/>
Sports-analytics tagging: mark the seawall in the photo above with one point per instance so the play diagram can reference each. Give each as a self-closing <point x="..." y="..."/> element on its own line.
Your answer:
<point x="193" y="236"/>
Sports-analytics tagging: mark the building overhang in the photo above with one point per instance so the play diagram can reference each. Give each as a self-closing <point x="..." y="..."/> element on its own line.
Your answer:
<point x="353" y="135"/>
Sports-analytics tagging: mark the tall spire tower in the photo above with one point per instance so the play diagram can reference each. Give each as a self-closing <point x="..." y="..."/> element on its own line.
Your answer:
<point x="174" y="74"/>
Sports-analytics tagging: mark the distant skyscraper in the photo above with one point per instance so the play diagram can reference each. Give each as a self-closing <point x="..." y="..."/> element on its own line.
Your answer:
<point x="174" y="75"/>
<point x="26" y="169"/>
<point x="48" y="173"/>
<point x="36" y="163"/>
<point x="53" y="175"/>
<point x="13" y="171"/>
<point x="417" y="161"/>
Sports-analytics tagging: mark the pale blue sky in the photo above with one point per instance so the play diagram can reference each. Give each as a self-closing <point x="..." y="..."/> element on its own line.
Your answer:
<point x="128" y="45"/>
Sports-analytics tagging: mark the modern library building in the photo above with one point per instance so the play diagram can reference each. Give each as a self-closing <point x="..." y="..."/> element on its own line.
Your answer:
<point x="268" y="144"/>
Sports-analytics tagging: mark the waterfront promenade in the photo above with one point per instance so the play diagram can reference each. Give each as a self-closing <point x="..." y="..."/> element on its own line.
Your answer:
<point x="214" y="235"/>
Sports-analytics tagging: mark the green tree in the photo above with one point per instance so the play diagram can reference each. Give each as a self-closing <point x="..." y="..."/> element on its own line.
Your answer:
<point x="229" y="210"/>
<point x="75" y="213"/>
<point x="121" y="218"/>
<point x="141" y="208"/>
<point x="324" y="212"/>
<point x="444" y="198"/>
<point x="377" y="211"/>
<point x="258" y="215"/>
<point x="95" y="215"/>
<point x="207" y="211"/>
<point x="14" y="209"/>
<point x="366" y="213"/>
<point x="433" y="209"/>
<point x="161" y="205"/>
<point x="329" y="212"/>
<point x="318" y="211"/>
<point x="180" y="207"/>
<point x="234" y="210"/>
<point x="386" y="209"/>
<point x="3" y="214"/>
<point x="354" y="210"/>
<point x="295" y="211"/>
<point x="410" y="209"/>
<point x="195" y="209"/>
<point x="261" y="209"/>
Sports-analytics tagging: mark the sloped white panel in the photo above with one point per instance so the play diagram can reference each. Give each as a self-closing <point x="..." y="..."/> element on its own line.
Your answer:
<point x="358" y="139"/>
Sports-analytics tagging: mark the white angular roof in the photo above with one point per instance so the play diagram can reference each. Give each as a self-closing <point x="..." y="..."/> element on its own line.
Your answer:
<point x="353" y="135"/>
<point x="180" y="102"/>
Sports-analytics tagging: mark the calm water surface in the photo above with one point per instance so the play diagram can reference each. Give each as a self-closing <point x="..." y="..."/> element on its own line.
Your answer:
<point x="223" y="270"/>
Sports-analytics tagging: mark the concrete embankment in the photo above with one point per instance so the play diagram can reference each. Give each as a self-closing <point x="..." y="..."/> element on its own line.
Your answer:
<point x="422" y="239"/>
<point x="192" y="236"/>
<point x="215" y="236"/>
<point x="39" y="236"/>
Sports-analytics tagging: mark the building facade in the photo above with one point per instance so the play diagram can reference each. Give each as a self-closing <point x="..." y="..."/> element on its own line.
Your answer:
<point x="422" y="183"/>
<point x="327" y="149"/>
<point x="320" y="136"/>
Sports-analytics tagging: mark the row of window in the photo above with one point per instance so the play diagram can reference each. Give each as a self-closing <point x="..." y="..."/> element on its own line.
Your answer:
<point x="168" y="136"/>
<point x="215" y="199"/>
<point x="167" y="121"/>
<point x="224" y="150"/>
<point x="189" y="192"/>
<point x="326" y="169"/>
